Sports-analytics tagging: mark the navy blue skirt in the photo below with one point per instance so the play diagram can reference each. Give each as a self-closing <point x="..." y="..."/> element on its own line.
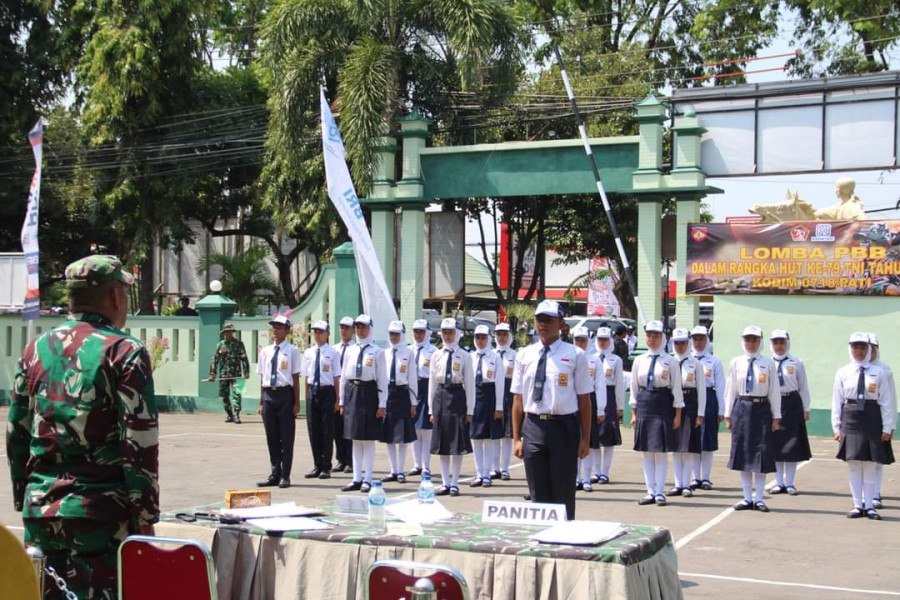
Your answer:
<point x="861" y="434"/>
<point x="360" y="407"/>
<point x="751" y="437"/>
<point x="608" y="432"/>
<point x="653" y="430"/>
<point x="422" y="414"/>
<point x="451" y="435"/>
<point x="709" y="431"/>
<point x="507" y="409"/>
<point x="483" y="417"/>
<point x="398" y="421"/>
<point x="688" y="437"/>
<point x="791" y="441"/>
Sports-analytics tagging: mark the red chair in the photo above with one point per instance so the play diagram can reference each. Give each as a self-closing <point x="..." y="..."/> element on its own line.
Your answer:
<point x="148" y="572"/>
<point x="394" y="579"/>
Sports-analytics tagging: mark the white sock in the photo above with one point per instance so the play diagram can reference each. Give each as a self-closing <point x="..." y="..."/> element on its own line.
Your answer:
<point x="456" y="461"/>
<point x="495" y="455"/>
<point x="506" y="448"/>
<point x="695" y="466"/>
<point x="790" y="473"/>
<point x="879" y="475"/>
<point x="706" y="464"/>
<point x="678" y="464"/>
<point x="369" y="458"/>
<point x="607" y="459"/>
<point x="392" y="457"/>
<point x="417" y="449"/>
<point x="662" y="471"/>
<point x="870" y="484"/>
<point x="779" y="473"/>
<point x="425" y="438"/>
<point x="445" y="470"/>
<point x="650" y="472"/>
<point x="401" y="458"/>
<point x="478" y="451"/>
<point x="759" y="482"/>
<point x="488" y="457"/>
<point x="357" y="460"/>
<point x="856" y="482"/>
<point x="688" y="460"/>
<point x="747" y="485"/>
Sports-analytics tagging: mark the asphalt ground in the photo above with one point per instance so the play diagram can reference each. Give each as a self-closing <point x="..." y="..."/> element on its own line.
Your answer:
<point x="804" y="548"/>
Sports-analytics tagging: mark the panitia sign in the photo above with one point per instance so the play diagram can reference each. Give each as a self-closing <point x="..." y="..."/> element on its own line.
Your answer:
<point x="814" y="257"/>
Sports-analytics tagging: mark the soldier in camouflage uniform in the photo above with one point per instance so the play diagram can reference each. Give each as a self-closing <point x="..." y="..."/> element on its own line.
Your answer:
<point x="230" y="362"/>
<point x="82" y="438"/>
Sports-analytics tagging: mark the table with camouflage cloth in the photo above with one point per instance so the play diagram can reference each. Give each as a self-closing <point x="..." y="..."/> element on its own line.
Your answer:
<point x="499" y="561"/>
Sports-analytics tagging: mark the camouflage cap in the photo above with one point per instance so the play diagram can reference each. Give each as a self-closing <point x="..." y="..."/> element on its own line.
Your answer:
<point x="95" y="270"/>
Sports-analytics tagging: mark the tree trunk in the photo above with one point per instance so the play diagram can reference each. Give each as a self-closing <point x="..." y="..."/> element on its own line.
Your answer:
<point x="147" y="282"/>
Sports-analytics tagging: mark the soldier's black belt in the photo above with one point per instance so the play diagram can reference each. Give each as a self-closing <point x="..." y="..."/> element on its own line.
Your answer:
<point x="548" y="417"/>
<point x="754" y="399"/>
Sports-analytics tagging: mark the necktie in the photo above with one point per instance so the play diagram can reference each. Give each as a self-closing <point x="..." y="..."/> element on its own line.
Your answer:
<point x="359" y="360"/>
<point x="540" y="375"/>
<point x="273" y="371"/>
<point x="393" y="380"/>
<point x="315" y="384"/>
<point x="780" y="371"/>
<point x="861" y="389"/>
<point x="479" y="378"/>
<point x="651" y="372"/>
<point x="448" y="372"/>
<point x="748" y="384"/>
<point x="343" y="351"/>
<point x="418" y="354"/>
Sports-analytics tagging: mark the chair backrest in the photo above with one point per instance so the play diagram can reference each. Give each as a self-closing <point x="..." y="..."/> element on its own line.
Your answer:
<point x="148" y="572"/>
<point x="18" y="578"/>
<point x="389" y="580"/>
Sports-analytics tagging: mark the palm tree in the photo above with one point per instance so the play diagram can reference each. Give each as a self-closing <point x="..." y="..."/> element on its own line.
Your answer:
<point x="244" y="276"/>
<point x="378" y="58"/>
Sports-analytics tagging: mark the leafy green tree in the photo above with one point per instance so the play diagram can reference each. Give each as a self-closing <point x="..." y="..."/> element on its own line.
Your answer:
<point x="245" y="277"/>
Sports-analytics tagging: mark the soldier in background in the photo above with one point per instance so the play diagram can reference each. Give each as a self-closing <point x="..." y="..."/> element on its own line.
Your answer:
<point x="85" y="391"/>
<point x="230" y="362"/>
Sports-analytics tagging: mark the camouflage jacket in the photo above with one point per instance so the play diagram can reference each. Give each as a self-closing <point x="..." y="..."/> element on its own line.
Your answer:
<point x="82" y="438"/>
<point x="230" y="360"/>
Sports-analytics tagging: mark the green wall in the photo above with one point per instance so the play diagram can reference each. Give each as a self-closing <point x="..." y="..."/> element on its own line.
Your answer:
<point x="819" y="327"/>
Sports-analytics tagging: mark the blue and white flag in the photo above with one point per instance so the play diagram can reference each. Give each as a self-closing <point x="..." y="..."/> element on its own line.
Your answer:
<point x="377" y="301"/>
<point x="31" y="309"/>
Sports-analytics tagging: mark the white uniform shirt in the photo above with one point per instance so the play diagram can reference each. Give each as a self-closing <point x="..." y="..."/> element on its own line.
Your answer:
<point x="878" y="387"/>
<point x="714" y="376"/>
<point x="794" y="374"/>
<point x="666" y="374"/>
<point x="566" y="377"/>
<point x="423" y="369"/>
<point x="632" y="343"/>
<point x="606" y="369"/>
<point x="765" y="382"/>
<point x="491" y="371"/>
<point x="374" y="368"/>
<point x="508" y="356"/>
<point x="693" y="376"/>
<point x="341" y="348"/>
<point x="460" y="373"/>
<point x="290" y="363"/>
<point x="891" y="380"/>
<point x="329" y="365"/>
<point x="405" y="370"/>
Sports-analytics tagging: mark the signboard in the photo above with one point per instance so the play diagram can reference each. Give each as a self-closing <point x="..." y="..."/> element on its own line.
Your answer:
<point x="816" y="257"/>
<point x="527" y="513"/>
<point x="14" y="272"/>
<point x="601" y="299"/>
<point x="446" y="242"/>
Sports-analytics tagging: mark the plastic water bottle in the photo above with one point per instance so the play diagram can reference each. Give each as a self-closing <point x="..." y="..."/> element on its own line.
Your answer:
<point x="426" y="490"/>
<point x="377" y="501"/>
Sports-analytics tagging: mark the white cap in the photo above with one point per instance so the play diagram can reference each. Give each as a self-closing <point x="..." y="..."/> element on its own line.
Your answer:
<point x="681" y="335"/>
<point x="581" y="331"/>
<point x="420" y="324"/>
<point x="502" y="327"/>
<point x="281" y="320"/>
<point x="396" y="327"/>
<point x="604" y="332"/>
<point x="550" y="308"/>
<point x="346" y="322"/>
<point x="779" y="334"/>
<point x="859" y="337"/>
<point x="448" y="323"/>
<point x="656" y="326"/>
<point x="700" y="330"/>
<point x="363" y="320"/>
<point x="320" y="325"/>
<point x="482" y="330"/>
<point x="873" y="339"/>
<point x="752" y="330"/>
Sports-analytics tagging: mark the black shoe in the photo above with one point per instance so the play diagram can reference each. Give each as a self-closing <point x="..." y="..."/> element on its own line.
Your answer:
<point x="442" y="491"/>
<point x="454" y="491"/>
<point x="284" y="483"/>
<point x="229" y="419"/>
<point x="324" y="475"/>
<point x="761" y="506"/>
<point x="603" y="480"/>
<point x="778" y="489"/>
<point x="660" y="500"/>
<point x="365" y="487"/>
<point x="675" y="491"/>
<point x="237" y="420"/>
<point x="339" y="468"/>
<point x="312" y="474"/>
<point x="706" y="485"/>
<point x="353" y="486"/>
<point x="414" y="472"/>
<point x="389" y="478"/>
<point x="476" y="482"/>
<point x="648" y="499"/>
<point x="401" y="478"/>
<point x="527" y="497"/>
<point x="348" y="469"/>
<point x="504" y="475"/>
<point x="595" y="478"/>
<point x="579" y="486"/>
<point x="695" y="484"/>
<point x="272" y="481"/>
<point x="855" y="513"/>
<point x="743" y="505"/>
<point x="876" y="503"/>
<point x="873" y="514"/>
<point x="495" y="474"/>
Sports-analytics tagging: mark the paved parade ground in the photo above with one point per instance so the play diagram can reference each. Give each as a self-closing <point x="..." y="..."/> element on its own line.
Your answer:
<point x="804" y="548"/>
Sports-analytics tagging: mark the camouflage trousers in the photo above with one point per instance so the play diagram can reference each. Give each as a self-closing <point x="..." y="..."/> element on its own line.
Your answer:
<point x="231" y="400"/>
<point x="81" y="551"/>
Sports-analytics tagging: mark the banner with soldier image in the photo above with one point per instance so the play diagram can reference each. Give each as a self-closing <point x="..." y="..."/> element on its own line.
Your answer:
<point x="839" y="258"/>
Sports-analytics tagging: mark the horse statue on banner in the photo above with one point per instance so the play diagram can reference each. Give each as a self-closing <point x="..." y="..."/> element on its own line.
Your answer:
<point x="850" y="207"/>
<point x="792" y="209"/>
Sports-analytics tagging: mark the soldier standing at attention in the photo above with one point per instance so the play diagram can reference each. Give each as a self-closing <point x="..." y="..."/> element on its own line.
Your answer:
<point x="279" y="369"/>
<point x="83" y="435"/>
<point x="322" y="368"/>
<point x="230" y="362"/>
<point x="343" y="448"/>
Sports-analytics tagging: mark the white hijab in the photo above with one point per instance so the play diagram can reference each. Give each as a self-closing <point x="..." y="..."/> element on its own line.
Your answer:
<point x="787" y="351"/>
<point x="860" y="363"/>
<point x="747" y="353"/>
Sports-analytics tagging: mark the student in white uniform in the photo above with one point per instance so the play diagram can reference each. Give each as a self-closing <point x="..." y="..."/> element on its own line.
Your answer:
<point x="714" y="410"/>
<point x="608" y="372"/>
<point x="863" y="409"/>
<point x="581" y="337"/>
<point x="451" y="402"/>
<point x="503" y="450"/>
<point x="888" y="449"/>
<point x="686" y="457"/>
<point x="422" y="351"/>
<point x="752" y="413"/>
<point x="487" y="417"/>
<point x="343" y="448"/>
<point x="656" y="404"/>
<point x="399" y="429"/>
<point x="364" y="391"/>
<point x="791" y="440"/>
<point x="631" y="340"/>
<point x="321" y="366"/>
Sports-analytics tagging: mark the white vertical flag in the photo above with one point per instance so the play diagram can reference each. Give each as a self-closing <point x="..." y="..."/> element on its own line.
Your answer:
<point x="31" y="308"/>
<point x="377" y="301"/>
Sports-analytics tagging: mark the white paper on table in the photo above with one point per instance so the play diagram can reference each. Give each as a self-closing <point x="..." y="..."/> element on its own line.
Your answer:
<point x="359" y="505"/>
<point x="281" y="524"/>
<point x="283" y="509"/>
<point x="580" y="533"/>
<point x="403" y="529"/>
<point x="411" y="511"/>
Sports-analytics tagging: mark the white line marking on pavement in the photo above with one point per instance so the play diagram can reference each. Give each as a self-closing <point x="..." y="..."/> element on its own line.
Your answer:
<point x="718" y="519"/>
<point x="791" y="584"/>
